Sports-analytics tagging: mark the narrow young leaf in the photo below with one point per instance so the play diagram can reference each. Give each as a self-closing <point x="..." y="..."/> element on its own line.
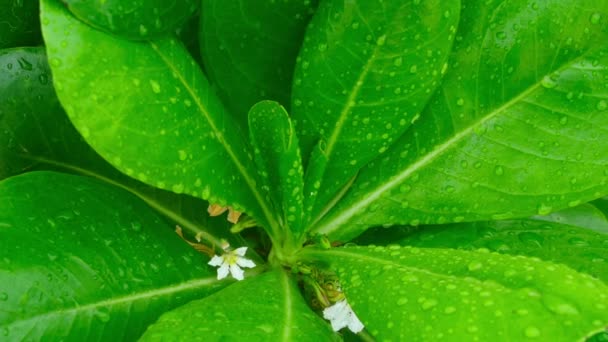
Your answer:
<point x="268" y="307"/>
<point x="414" y="294"/>
<point x="364" y="74"/>
<point x="143" y="19"/>
<point x="249" y="49"/>
<point x="587" y="251"/>
<point x="37" y="135"/>
<point x="82" y="260"/>
<point x="147" y="108"/>
<point x="277" y="154"/>
<point x="501" y="138"/>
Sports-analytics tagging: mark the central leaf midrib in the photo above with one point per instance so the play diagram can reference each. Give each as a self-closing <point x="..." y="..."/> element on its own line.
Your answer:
<point x="371" y="196"/>
<point x="163" y="291"/>
<point x="241" y="168"/>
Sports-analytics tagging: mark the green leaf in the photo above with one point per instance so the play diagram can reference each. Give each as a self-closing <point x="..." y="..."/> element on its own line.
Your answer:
<point x="268" y="307"/>
<point x="279" y="161"/>
<point x="602" y="205"/>
<point x="414" y="294"/>
<point x="82" y="260"/>
<point x="249" y="49"/>
<point x="364" y="73"/>
<point x="135" y="19"/>
<point x="148" y="109"/>
<point x="587" y="251"/>
<point x="36" y="134"/>
<point x="518" y="126"/>
<point x="585" y="216"/>
<point x="19" y="24"/>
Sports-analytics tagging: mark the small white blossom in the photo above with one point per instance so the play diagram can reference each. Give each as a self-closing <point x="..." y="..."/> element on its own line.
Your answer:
<point x="231" y="261"/>
<point x="341" y="315"/>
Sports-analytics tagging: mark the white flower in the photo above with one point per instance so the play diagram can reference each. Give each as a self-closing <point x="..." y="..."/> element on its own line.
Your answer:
<point x="341" y="315"/>
<point x="231" y="261"/>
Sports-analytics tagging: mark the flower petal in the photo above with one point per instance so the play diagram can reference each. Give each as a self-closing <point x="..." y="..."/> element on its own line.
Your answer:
<point x="245" y="262"/>
<point x="222" y="272"/>
<point x="240" y="251"/>
<point x="216" y="261"/>
<point x="237" y="272"/>
<point x="355" y="325"/>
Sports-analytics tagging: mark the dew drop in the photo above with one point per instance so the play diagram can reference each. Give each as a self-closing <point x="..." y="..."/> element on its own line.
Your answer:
<point x="413" y="69"/>
<point x="182" y="155"/>
<point x="398" y="61"/>
<point x="474" y="266"/>
<point x="595" y="18"/>
<point x="548" y="82"/>
<point x="602" y="105"/>
<point x="499" y="171"/>
<point x="460" y="102"/>
<point x="102" y="314"/>
<point x="178" y="188"/>
<point x="3" y="296"/>
<point x="155" y="86"/>
<point x="544" y="209"/>
<point x="532" y="332"/>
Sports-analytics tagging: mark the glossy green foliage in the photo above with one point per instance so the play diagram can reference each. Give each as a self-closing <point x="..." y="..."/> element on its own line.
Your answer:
<point x="19" y="23"/>
<point x="416" y="294"/>
<point x="148" y="109"/>
<point x="265" y="308"/>
<point x="277" y="154"/>
<point x="134" y="19"/>
<point x="35" y="134"/>
<point x="579" y="248"/>
<point x="585" y="216"/>
<point x="249" y="49"/>
<point x="602" y="205"/>
<point x="518" y="126"/>
<point x="363" y="77"/>
<point x="81" y="260"/>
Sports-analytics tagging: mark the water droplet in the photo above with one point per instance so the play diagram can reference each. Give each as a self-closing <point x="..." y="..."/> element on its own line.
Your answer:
<point x="322" y="47"/>
<point x="178" y="188"/>
<point x="55" y="62"/>
<point x="595" y="18"/>
<point x="182" y="155"/>
<point x="602" y="105"/>
<point x="563" y="121"/>
<point x="460" y="102"/>
<point x="381" y="40"/>
<point x="143" y="30"/>
<point x="499" y="171"/>
<point x="413" y="69"/>
<point x="532" y="332"/>
<point x="3" y="296"/>
<point x="398" y="61"/>
<point x="501" y="35"/>
<point x="24" y="64"/>
<point x="136" y="226"/>
<point x="402" y="301"/>
<point x="155" y="86"/>
<point x="531" y="238"/>
<point x="102" y="314"/>
<point x="474" y="266"/>
<point x="548" y="82"/>
<point x="43" y="78"/>
<point x="544" y="209"/>
<point x="405" y="188"/>
<point x="449" y="310"/>
<point x="428" y="304"/>
<point x="575" y="241"/>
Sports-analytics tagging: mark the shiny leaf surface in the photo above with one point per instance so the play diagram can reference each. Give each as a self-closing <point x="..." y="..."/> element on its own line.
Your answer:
<point x="518" y="126"/>
<point x="469" y="295"/>
<point x="363" y="76"/>
<point x="577" y="247"/>
<point x="19" y="24"/>
<point x="82" y="260"/>
<point x="268" y="307"/>
<point x="134" y="19"/>
<point x="36" y="134"/>
<point x="150" y="113"/>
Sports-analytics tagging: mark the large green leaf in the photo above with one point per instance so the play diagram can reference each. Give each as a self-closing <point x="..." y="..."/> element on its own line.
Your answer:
<point x="82" y="260"/>
<point x="19" y="24"/>
<point x="268" y="307"/>
<point x="147" y="108"/>
<point x="587" y="251"/>
<point x="35" y="133"/>
<point x="414" y="294"/>
<point x="249" y="49"/>
<point x="279" y="161"/>
<point x="135" y="19"/>
<point x="518" y="127"/>
<point x="364" y="73"/>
